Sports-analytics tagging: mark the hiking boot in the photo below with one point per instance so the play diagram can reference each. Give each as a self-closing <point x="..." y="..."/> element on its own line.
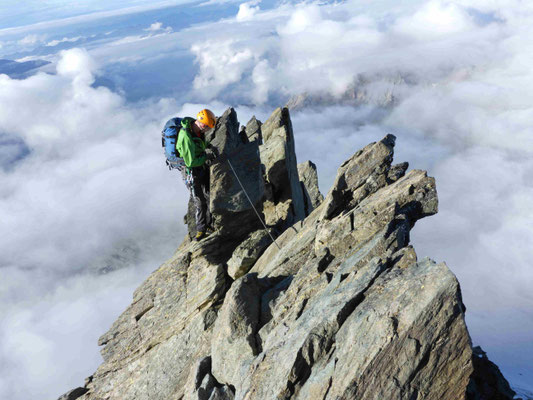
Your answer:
<point x="202" y="234"/>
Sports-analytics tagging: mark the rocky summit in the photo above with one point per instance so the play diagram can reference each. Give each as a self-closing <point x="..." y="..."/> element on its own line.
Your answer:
<point x="338" y="307"/>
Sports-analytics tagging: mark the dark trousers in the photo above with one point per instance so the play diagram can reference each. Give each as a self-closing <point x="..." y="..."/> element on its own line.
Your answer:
<point x="197" y="181"/>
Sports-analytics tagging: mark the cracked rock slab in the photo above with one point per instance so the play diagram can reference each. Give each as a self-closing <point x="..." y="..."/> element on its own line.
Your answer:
<point x="234" y="342"/>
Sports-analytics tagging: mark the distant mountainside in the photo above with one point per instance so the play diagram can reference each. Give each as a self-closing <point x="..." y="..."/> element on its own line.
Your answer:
<point x="375" y="90"/>
<point x="524" y="394"/>
<point x="339" y="307"/>
<point x="20" y="70"/>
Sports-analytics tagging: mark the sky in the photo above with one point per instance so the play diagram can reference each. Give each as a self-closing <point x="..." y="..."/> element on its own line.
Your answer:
<point x="88" y="208"/>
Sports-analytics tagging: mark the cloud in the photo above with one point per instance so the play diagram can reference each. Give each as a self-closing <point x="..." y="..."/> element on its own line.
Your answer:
<point x="436" y="18"/>
<point x="30" y="40"/>
<point x="58" y="326"/>
<point x="155" y="30"/>
<point x="211" y="76"/>
<point x="37" y="15"/>
<point x="76" y="64"/>
<point x="216" y="2"/>
<point x="158" y="26"/>
<point x="11" y="150"/>
<point x="334" y="45"/>
<point x="56" y="42"/>
<point x="247" y="10"/>
<point x="92" y="183"/>
<point x="302" y="19"/>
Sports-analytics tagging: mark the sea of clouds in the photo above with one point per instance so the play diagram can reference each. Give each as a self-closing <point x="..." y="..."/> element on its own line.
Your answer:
<point x="83" y="177"/>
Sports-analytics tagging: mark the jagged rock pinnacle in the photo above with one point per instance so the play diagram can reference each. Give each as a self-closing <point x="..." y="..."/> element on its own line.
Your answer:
<point x="339" y="308"/>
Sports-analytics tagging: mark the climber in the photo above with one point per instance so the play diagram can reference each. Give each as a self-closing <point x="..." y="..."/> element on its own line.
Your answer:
<point x="191" y="155"/>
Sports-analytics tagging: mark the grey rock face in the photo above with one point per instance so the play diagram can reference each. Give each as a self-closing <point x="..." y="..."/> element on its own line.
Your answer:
<point x="253" y="130"/>
<point x="231" y="206"/>
<point x="203" y="386"/>
<point x="285" y="201"/>
<point x="396" y="172"/>
<point x="363" y="174"/>
<point x="234" y="343"/>
<point x="487" y="381"/>
<point x="222" y="393"/>
<point x="225" y="137"/>
<point x="342" y="309"/>
<point x="309" y="181"/>
<point x="247" y="253"/>
<point x="200" y="381"/>
<point x="74" y="394"/>
<point x="169" y="323"/>
<point x="377" y="90"/>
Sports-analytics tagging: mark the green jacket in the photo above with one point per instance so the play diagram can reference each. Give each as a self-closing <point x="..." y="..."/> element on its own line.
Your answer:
<point x="190" y="147"/>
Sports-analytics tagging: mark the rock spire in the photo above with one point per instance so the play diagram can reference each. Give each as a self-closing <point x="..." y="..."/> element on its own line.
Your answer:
<point x="342" y="309"/>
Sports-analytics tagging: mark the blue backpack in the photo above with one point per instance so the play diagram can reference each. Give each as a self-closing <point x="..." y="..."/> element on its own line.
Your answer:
<point x="169" y="136"/>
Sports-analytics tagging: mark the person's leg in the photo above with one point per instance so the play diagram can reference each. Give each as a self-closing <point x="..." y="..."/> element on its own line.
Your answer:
<point x="199" y="197"/>
<point x="186" y="179"/>
<point x="206" y="194"/>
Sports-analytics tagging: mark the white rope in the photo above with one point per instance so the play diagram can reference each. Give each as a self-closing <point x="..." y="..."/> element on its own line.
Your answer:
<point x="248" y="197"/>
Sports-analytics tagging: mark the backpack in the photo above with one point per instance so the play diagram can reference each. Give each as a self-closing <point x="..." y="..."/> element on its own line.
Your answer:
<point x="169" y="136"/>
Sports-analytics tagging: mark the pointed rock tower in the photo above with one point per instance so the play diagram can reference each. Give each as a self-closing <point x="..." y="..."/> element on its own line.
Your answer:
<point x="338" y="308"/>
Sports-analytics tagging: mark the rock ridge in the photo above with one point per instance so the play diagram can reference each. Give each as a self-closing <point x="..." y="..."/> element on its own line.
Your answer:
<point x="339" y="307"/>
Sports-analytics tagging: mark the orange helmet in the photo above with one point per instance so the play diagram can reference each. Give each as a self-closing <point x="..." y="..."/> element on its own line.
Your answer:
<point x="206" y="117"/>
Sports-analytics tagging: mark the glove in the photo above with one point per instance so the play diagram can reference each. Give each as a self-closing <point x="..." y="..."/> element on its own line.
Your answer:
<point x="222" y="157"/>
<point x="209" y="158"/>
<point x="213" y="156"/>
<point x="213" y="149"/>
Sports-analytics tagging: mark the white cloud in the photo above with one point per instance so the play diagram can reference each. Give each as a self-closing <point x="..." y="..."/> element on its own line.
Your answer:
<point x="261" y="76"/>
<point x="304" y="17"/>
<point x="158" y="26"/>
<point x="332" y="45"/>
<point x="234" y="62"/>
<point x="54" y="43"/>
<point x="95" y="178"/>
<point x="155" y="30"/>
<point x="76" y="64"/>
<point x="30" y="40"/>
<point x="436" y="18"/>
<point x="247" y="10"/>
<point x="59" y="326"/>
